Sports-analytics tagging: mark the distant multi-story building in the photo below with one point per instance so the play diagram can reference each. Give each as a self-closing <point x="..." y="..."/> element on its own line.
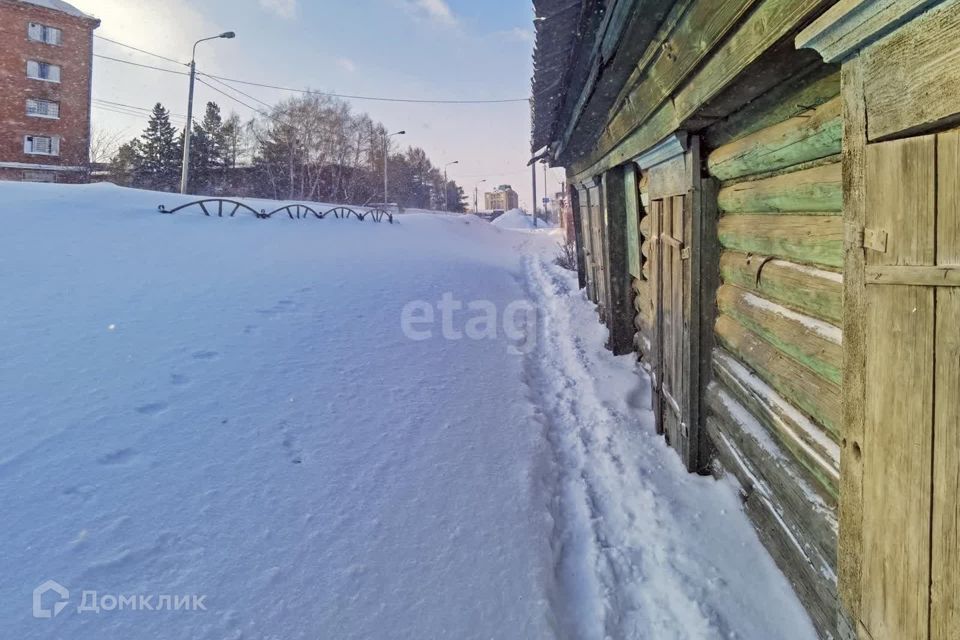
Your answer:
<point x="503" y="198"/>
<point x="46" y="53"/>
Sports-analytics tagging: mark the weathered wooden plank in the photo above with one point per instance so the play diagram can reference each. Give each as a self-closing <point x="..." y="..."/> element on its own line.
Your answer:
<point x="789" y="99"/>
<point x="811" y="342"/>
<point x="814" y="292"/>
<point x="812" y="394"/>
<point x="698" y="31"/>
<point x="808" y="443"/>
<point x="811" y="517"/>
<point x="911" y="76"/>
<point x="897" y="448"/>
<point x="770" y="22"/>
<point x="707" y="264"/>
<point x="579" y="240"/>
<point x="945" y="276"/>
<point x="814" y="240"/>
<point x="816" y="189"/>
<point x="632" y="204"/>
<point x="813" y="585"/>
<point x="617" y="262"/>
<point x="810" y="136"/>
<point x="945" y="579"/>
<point x="852" y="24"/>
<point x="854" y="350"/>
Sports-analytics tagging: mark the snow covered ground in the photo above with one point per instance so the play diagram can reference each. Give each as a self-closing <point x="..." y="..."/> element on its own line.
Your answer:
<point x="261" y="416"/>
<point x="517" y="219"/>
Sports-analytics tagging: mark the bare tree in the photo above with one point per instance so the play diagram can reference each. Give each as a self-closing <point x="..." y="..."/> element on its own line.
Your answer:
<point x="104" y="144"/>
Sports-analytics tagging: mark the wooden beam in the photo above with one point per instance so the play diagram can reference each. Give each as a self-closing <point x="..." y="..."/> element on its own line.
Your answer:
<point x="578" y="235"/>
<point x="815" y="134"/>
<point x="817" y="189"/>
<point x="811" y="446"/>
<point x="853" y="24"/>
<point x="850" y="554"/>
<point x="617" y="265"/>
<point x="911" y="76"/>
<point x="789" y="99"/>
<point x="947" y="276"/>
<point x="814" y="395"/>
<point x="945" y="579"/>
<point x="814" y="292"/>
<point x="697" y="33"/>
<point x="816" y="240"/>
<point x="768" y="23"/>
<point x="811" y="582"/>
<point x="813" y="343"/>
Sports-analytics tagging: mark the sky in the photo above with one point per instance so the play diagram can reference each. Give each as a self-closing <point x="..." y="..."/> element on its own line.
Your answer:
<point x="414" y="49"/>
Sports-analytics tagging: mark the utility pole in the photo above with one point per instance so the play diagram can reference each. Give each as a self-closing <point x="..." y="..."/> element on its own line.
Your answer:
<point x="533" y="167"/>
<point x="185" y="170"/>
<point x="446" y="205"/>
<point x="546" y="194"/>
<point x="476" y="194"/>
<point x="386" y="155"/>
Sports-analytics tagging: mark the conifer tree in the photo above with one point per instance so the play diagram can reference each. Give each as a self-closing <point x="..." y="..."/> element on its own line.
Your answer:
<point x="158" y="152"/>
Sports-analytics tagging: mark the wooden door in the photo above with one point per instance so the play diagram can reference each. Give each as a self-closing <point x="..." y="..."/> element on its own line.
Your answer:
<point x="910" y="571"/>
<point x="672" y="221"/>
<point x="587" y="236"/>
<point x="598" y="241"/>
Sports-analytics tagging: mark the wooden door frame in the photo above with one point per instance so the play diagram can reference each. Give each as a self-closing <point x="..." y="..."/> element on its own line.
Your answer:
<point x="674" y="168"/>
<point x="621" y="311"/>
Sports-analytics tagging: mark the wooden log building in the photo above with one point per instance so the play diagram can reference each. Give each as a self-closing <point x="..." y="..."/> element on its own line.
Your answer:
<point x="766" y="200"/>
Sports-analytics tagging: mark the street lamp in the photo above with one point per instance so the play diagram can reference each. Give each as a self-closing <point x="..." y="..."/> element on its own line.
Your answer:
<point x="446" y="205"/>
<point x="386" y="154"/>
<point x="185" y="175"/>
<point x="476" y="196"/>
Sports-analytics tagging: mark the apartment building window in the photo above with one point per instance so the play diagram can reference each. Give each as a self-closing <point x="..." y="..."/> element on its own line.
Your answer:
<point x="43" y="108"/>
<point x="41" y="145"/>
<point x="42" y="33"/>
<point x="43" y="71"/>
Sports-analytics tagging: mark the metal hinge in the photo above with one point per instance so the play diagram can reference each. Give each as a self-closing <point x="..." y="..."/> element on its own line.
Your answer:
<point x="685" y="253"/>
<point x="875" y="240"/>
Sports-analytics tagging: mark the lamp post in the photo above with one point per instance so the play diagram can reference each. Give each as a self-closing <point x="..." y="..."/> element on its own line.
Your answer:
<point x="446" y="205"/>
<point x="185" y="172"/>
<point x="476" y="195"/>
<point x="386" y="154"/>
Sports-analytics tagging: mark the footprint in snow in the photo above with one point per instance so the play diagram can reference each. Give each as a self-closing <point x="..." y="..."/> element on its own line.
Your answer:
<point x="204" y="355"/>
<point x="121" y="456"/>
<point x="178" y="380"/>
<point x="152" y="409"/>
<point x="294" y="453"/>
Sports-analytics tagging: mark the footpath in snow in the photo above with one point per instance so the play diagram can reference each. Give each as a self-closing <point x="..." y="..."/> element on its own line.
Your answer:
<point x="295" y="422"/>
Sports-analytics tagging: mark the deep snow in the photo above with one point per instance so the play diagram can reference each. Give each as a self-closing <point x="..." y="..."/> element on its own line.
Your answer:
<point x="517" y="219"/>
<point x="230" y="408"/>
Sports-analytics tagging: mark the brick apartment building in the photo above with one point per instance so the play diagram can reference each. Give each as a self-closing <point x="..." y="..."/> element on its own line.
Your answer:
<point x="504" y="198"/>
<point x="46" y="53"/>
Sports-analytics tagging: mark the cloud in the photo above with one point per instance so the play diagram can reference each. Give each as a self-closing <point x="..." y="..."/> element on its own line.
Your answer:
<point x="436" y="10"/>
<point x="282" y="8"/>
<point x="347" y="64"/>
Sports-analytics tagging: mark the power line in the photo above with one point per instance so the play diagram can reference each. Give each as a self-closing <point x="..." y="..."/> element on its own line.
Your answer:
<point x="375" y="99"/>
<point x="137" y="64"/>
<point x="238" y="101"/>
<point x="112" y="103"/>
<point x="305" y="91"/>
<point x="232" y="88"/>
<point x="149" y="53"/>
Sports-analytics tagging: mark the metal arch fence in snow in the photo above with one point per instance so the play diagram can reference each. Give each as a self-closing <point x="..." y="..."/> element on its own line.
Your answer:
<point x="221" y="207"/>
